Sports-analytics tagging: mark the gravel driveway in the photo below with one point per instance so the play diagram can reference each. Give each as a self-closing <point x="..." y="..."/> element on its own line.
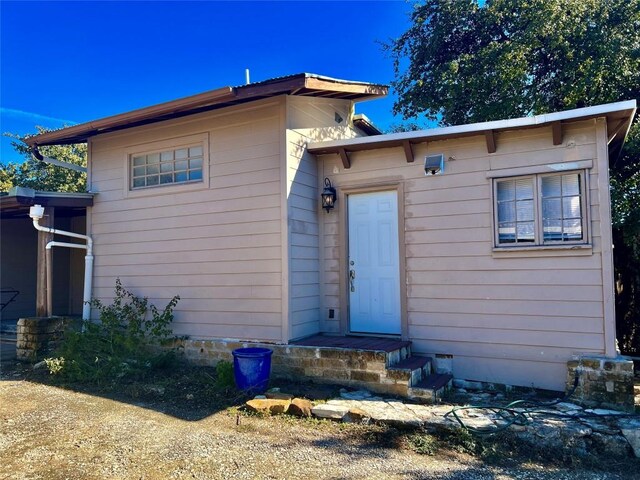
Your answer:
<point x="52" y="433"/>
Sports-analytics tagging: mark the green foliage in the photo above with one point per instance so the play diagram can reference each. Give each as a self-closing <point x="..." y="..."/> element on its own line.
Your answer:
<point x="423" y="443"/>
<point x="462" y="62"/>
<point x="126" y="342"/>
<point x="54" y="365"/>
<point x="224" y="375"/>
<point x="33" y="173"/>
<point x="404" y="127"/>
<point x="462" y="441"/>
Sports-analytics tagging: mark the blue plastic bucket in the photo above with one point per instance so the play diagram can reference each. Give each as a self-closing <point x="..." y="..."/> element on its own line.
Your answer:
<point x="251" y="368"/>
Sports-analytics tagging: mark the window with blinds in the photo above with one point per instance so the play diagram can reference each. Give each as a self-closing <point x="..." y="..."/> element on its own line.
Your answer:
<point x="540" y="209"/>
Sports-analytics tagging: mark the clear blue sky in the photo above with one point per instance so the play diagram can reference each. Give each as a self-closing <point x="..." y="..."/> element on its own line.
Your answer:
<point x="71" y="62"/>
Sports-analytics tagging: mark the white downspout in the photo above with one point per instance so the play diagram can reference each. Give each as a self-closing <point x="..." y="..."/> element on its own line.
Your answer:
<point x="36" y="213"/>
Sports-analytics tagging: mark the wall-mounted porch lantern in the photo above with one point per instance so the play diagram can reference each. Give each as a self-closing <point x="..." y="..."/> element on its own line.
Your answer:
<point x="328" y="196"/>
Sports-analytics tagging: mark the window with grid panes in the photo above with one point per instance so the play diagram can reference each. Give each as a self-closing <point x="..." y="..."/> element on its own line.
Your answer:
<point x="179" y="165"/>
<point x="542" y="209"/>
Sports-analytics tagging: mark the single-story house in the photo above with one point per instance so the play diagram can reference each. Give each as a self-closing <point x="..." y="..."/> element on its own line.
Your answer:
<point x="486" y="247"/>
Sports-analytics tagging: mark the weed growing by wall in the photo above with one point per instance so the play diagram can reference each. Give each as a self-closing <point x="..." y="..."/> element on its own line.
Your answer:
<point x="130" y="339"/>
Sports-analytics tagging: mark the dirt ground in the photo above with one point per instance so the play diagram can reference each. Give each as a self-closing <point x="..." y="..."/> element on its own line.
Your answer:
<point x="52" y="433"/>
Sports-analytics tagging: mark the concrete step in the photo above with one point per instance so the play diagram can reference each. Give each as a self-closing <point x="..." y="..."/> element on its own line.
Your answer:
<point x="431" y="389"/>
<point x="412" y="369"/>
<point x="393" y="357"/>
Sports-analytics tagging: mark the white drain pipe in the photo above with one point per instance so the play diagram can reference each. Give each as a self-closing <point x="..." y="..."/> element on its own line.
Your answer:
<point x="36" y="213"/>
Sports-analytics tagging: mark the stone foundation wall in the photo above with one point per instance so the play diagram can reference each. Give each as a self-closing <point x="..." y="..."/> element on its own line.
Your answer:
<point x="39" y="336"/>
<point x="602" y="382"/>
<point x="356" y="368"/>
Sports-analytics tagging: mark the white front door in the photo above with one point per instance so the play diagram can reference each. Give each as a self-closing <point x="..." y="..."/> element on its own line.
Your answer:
<point x="374" y="268"/>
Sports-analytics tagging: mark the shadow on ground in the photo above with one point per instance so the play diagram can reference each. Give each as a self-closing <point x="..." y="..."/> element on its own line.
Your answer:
<point x="182" y="390"/>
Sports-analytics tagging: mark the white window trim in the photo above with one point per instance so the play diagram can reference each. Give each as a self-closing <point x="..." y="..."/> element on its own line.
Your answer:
<point x="563" y="167"/>
<point x="539" y="243"/>
<point x="169" y="144"/>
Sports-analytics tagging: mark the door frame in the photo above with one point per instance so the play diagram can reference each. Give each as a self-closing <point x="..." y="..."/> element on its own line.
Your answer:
<point x="343" y="192"/>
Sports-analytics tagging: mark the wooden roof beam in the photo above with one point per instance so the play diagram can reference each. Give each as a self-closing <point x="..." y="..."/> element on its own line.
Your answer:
<point x="408" y="151"/>
<point x="490" y="138"/>
<point x="556" y="128"/>
<point x="358" y="88"/>
<point x="346" y="162"/>
<point x="615" y="130"/>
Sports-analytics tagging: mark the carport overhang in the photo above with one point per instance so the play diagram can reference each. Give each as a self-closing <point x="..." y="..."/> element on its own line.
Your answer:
<point x="16" y="202"/>
<point x="15" y="205"/>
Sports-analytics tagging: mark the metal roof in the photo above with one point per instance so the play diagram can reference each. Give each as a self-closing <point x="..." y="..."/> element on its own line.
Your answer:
<point x="619" y="117"/>
<point x="17" y="201"/>
<point x="305" y="84"/>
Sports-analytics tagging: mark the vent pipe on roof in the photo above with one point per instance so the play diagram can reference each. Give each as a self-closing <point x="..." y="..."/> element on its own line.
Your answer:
<point x="246" y="75"/>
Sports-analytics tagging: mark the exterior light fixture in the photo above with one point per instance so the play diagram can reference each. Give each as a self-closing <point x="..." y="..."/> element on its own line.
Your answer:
<point x="328" y="196"/>
<point x="434" y="164"/>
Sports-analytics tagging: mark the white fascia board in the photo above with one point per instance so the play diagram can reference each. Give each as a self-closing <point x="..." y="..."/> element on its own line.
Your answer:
<point x="542" y="119"/>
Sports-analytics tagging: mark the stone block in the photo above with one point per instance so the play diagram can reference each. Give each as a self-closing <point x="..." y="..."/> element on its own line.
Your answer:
<point x="399" y="374"/>
<point x="593" y="363"/>
<point x="363" y="376"/>
<point x="356" y="363"/>
<point x="278" y="396"/>
<point x="572" y="364"/>
<point x="313" y="372"/>
<point x="602" y="381"/>
<point x="374" y="366"/>
<point x="398" y="389"/>
<point x="633" y="437"/>
<point x="25" y="354"/>
<point x="443" y="364"/>
<point x="306" y="352"/>
<point x="293" y="373"/>
<point x="332" y="353"/>
<point x="268" y="406"/>
<point x="356" y="415"/>
<point x="330" y="363"/>
<point x="626" y="366"/>
<point x="333" y="412"/>
<point x="393" y="357"/>
<point x="300" y="407"/>
<point x="336" y="374"/>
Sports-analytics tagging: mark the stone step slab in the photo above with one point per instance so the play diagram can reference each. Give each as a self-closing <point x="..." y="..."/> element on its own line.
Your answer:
<point x="412" y="369"/>
<point x="630" y="428"/>
<point x="330" y="411"/>
<point x="431" y="388"/>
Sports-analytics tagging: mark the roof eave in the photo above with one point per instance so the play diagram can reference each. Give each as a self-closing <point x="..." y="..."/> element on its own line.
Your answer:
<point x="626" y="109"/>
<point x="83" y="131"/>
<point x="20" y="197"/>
<point x="299" y="84"/>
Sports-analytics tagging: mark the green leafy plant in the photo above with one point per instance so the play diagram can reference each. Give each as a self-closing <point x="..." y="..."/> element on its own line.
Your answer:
<point x="131" y="338"/>
<point x="423" y="443"/>
<point x="54" y="365"/>
<point x="32" y="173"/>
<point x="224" y="375"/>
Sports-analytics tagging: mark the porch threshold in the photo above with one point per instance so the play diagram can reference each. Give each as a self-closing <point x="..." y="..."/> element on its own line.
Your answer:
<point x="377" y="344"/>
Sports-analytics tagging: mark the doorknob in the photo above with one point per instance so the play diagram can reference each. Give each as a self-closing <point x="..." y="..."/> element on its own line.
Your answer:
<point x="352" y="277"/>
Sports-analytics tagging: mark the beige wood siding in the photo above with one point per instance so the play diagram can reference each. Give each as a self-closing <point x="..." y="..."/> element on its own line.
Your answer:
<point x="217" y="244"/>
<point x="507" y="317"/>
<point x="308" y="119"/>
